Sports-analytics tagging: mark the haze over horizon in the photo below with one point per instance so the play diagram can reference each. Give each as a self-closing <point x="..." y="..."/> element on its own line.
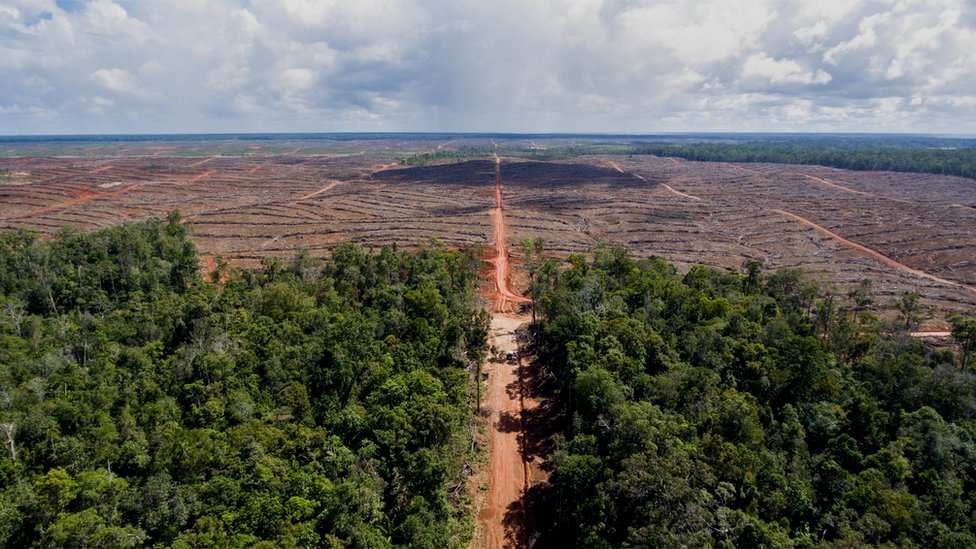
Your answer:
<point x="638" y="67"/>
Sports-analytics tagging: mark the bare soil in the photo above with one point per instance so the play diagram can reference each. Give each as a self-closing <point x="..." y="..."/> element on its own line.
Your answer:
<point x="501" y="520"/>
<point x="280" y="197"/>
<point x="253" y="201"/>
<point x="504" y="298"/>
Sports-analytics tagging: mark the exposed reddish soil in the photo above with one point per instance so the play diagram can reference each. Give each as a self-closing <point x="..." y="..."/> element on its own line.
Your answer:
<point x="201" y="175"/>
<point x="504" y="298"/>
<point x="244" y="208"/>
<point x="677" y="192"/>
<point x="253" y="201"/>
<point x="202" y="162"/>
<point x="670" y="189"/>
<point x="501" y="520"/>
<point x="502" y="517"/>
<point x="81" y="197"/>
<point x="324" y="189"/>
<point x="879" y="256"/>
<point x="736" y="221"/>
<point x="835" y="185"/>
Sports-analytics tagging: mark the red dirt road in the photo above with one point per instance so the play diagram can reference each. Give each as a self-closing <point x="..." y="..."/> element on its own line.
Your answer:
<point x="335" y="182"/>
<point x="80" y="198"/>
<point x="324" y="189"/>
<point x="671" y="189"/>
<point x="877" y="255"/>
<point x="840" y="187"/>
<point x="501" y="520"/>
<point x="504" y="296"/>
<point x="201" y="175"/>
<point x="202" y="162"/>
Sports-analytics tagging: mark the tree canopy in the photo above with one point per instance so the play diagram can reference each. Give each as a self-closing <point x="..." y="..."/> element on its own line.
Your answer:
<point x="748" y="410"/>
<point x="304" y="404"/>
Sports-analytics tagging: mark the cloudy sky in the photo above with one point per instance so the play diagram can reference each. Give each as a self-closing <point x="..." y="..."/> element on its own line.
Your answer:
<point x="630" y="66"/>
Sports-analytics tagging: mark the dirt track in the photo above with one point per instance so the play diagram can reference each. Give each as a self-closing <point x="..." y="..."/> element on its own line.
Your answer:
<point x="324" y="189"/>
<point x="502" y="517"/>
<point x="81" y="198"/>
<point x="504" y="298"/>
<point x="876" y="255"/>
<point x="670" y="189"/>
<point x="840" y="187"/>
<point x="501" y="520"/>
<point x="201" y="175"/>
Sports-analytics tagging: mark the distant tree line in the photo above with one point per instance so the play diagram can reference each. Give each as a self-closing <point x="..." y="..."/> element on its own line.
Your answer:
<point x="459" y="154"/>
<point x="896" y="153"/>
<point x="960" y="162"/>
<point x="749" y="410"/>
<point x="303" y="404"/>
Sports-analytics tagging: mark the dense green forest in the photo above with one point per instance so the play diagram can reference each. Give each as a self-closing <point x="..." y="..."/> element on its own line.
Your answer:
<point x="898" y="154"/>
<point x="464" y="152"/>
<point x="313" y="403"/>
<point x="719" y="409"/>
<point x="942" y="161"/>
<point x="303" y="404"/>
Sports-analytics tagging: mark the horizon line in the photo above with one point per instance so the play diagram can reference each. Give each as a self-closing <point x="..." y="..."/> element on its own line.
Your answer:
<point x="16" y="137"/>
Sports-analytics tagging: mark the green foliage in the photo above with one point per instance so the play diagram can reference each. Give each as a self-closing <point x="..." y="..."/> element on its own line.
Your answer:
<point x="464" y="152"/>
<point x="750" y="410"/>
<point x="837" y="153"/>
<point x="306" y="404"/>
<point x="918" y="154"/>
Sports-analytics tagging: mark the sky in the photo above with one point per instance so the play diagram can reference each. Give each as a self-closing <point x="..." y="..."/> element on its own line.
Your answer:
<point x="604" y="66"/>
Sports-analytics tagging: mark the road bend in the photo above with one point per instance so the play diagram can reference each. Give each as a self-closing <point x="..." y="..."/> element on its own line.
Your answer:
<point x="501" y="518"/>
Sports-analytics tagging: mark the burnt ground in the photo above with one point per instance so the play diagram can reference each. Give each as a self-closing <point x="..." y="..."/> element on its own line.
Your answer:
<point x="276" y="200"/>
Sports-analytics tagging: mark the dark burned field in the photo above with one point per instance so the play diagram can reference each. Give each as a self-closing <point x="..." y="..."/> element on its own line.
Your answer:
<point x="905" y="232"/>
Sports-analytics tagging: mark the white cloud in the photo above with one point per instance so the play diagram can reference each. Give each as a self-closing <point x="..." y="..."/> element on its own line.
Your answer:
<point x="298" y="79"/>
<point x="782" y="71"/>
<point x="865" y="38"/>
<point x="117" y="80"/>
<point x="506" y="65"/>
<point x="706" y="32"/>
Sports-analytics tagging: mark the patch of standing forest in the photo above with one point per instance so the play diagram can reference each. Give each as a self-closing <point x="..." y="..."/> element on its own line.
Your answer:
<point x="939" y="161"/>
<point x="719" y="409"/>
<point x="305" y="404"/>
<point x="328" y="403"/>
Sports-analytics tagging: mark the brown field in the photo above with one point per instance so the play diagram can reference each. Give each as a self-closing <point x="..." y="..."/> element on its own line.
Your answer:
<point x="905" y="232"/>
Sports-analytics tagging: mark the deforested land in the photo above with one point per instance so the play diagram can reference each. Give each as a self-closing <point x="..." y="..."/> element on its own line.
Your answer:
<point x="487" y="340"/>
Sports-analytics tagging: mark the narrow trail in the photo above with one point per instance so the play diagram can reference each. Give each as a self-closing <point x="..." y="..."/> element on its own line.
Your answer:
<point x="80" y="198"/>
<point x="202" y="162"/>
<point x="665" y="185"/>
<point x="504" y="298"/>
<point x="333" y="184"/>
<point x="501" y="519"/>
<point x="199" y="176"/>
<point x="838" y="186"/>
<point x="876" y="255"/>
<point x="336" y="182"/>
<point x="823" y="181"/>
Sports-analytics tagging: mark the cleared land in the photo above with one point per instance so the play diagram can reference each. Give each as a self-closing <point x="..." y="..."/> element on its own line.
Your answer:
<point x="905" y="232"/>
<point x="722" y="214"/>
